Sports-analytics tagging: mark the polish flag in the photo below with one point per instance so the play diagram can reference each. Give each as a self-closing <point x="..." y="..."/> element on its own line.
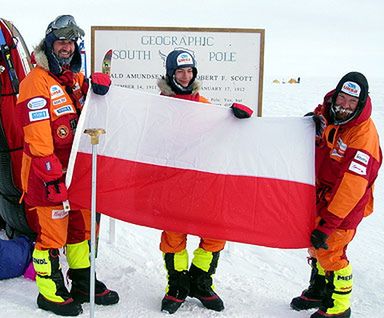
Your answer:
<point x="194" y="168"/>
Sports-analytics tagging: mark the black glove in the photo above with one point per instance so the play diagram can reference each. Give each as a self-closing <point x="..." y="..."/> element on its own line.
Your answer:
<point x="320" y="123"/>
<point x="100" y="83"/>
<point x="318" y="239"/>
<point x="241" y="111"/>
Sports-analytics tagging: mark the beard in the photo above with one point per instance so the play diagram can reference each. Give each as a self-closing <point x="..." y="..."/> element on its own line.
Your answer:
<point x="342" y="113"/>
<point x="64" y="61"/>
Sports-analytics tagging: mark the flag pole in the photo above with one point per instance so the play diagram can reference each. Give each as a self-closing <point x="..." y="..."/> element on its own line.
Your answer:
<point x="94" y="133"/>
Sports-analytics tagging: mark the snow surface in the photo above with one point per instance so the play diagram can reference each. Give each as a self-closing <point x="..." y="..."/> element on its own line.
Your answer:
<point x="253" y="281"/>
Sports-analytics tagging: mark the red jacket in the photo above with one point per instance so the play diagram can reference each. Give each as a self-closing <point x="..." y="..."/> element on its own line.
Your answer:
<point x="347" y="163"/>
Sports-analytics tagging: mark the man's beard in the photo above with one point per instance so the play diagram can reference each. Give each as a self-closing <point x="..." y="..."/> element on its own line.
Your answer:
<point x="64" y="61"/>
<point x="342" y="113"/>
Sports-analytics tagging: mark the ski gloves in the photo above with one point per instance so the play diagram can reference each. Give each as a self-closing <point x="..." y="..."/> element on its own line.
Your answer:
<point x="50" y="171"/>
<point x="100" y="83"/>
<point x="320" y="123"/>
<point x="241" y="111"/>
<point x="318" y="239"/>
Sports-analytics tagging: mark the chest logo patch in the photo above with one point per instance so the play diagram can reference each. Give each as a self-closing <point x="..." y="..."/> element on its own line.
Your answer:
<point x="56" y="91"/>
<point x="62" y="131"/>
<point x="36" y="103"/>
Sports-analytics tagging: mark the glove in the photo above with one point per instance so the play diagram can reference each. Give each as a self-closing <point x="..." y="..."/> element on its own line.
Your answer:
<point x="100" y="83"/>
<point x="56" y="191"/>
<point x="47" y="168"/>
<point x="50" y="171"/>
<point x="320" y="123"/>
<point x="318" y="239"/>
<point x="241" y="111"/>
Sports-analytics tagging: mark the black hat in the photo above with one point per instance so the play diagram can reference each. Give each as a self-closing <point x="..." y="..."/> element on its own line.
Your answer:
<point x="354" y="84"/>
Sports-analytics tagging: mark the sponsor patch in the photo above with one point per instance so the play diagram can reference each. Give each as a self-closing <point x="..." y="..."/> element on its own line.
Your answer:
<point x="64" y="110"/>
<point x="358" y="168"/>
<point x="59" y="101"/>
<point x="351" y="88"/>
<point x="36" y="103"/>
<point x="362" y="157"/>
<point x="56" y="91"/>
<point x="184" y="59"/>
<point x="59" y="214"/>
<point x="339" y="150"/>
<point x="36" y="115"/>
<point x="62" y="131"/>
<point x="82" y="100"/>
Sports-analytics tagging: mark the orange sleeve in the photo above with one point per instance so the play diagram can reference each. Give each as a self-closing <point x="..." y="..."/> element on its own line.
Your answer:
<point x="34" y="103"/>
<point x="351" y="189"/>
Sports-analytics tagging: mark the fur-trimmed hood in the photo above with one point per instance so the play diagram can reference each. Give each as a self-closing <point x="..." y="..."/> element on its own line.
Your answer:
<point x="51" y="63"/>
<point x="40" y="57"/>
<point x="166" y="89"/>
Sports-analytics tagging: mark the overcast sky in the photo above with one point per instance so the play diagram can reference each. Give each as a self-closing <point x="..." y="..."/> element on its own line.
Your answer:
<point x="302" y="37"/>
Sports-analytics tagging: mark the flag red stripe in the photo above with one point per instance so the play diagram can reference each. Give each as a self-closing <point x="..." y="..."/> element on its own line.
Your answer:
<point x="238" y="208"/>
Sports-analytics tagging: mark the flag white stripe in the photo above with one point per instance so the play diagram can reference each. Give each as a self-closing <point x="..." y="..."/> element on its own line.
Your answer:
<point x="176" y="133"/>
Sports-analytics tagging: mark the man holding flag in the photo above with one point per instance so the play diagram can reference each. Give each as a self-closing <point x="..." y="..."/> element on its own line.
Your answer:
<point x="348" y="157"/>
<point x="50" y="102"/>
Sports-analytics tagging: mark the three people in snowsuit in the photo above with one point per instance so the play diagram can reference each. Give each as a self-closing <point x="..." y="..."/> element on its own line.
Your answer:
<point x="348" y="157"/>
<point x="196" y="280"/>
<point x="50" y="102"/>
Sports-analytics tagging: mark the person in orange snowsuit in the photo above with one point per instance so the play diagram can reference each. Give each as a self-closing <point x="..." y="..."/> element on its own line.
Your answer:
<point x="49" y="105"/>
<point x="348" y="158"/>
<point x="180" y="82"/>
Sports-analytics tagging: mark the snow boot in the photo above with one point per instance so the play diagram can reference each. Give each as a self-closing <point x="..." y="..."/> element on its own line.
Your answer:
<point x="338" y="293"/>
<point x="178" y="286"/>
<point x="203" y="266"/>
<point x="81" y="280"/>
<point x="313" y="296"/>
<point x="53" y="295"/>
<point x="66" y="308"/>
<point x="80" y="274"/>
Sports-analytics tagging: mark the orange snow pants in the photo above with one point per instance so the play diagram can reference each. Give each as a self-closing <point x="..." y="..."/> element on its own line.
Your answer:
<point x="172" y="242"/>
<point x="55" y="227"/>
<point x="334" y="258"/>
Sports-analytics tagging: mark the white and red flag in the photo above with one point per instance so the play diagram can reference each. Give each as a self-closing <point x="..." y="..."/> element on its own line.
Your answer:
<point x="194" y="168"/>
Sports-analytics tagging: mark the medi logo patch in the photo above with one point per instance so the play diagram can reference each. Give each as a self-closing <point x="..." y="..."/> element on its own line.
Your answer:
<point x="351" y="88"/>
<point x="184" y="59"/>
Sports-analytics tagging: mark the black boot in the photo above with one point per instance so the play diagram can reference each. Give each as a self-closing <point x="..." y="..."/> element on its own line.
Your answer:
<point x="67" y="308"/>
<point x="322" y="314"/>
<point x="178" y="282"/>
<point x="81" y="284"/>
<point x="53" y="285"/>
<point x="178" y="290"/>
<point x="201" y="288"/>
<point x="313" y="296"/>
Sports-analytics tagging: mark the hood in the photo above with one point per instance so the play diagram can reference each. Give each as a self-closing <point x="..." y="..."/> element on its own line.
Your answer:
<point x="166" y="89"/>
<point x="363" y="116"/>
<point x="51" y="64"/>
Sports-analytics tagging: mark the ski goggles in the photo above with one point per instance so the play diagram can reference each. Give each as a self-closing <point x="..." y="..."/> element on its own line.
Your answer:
<point x="64" y="27"/>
